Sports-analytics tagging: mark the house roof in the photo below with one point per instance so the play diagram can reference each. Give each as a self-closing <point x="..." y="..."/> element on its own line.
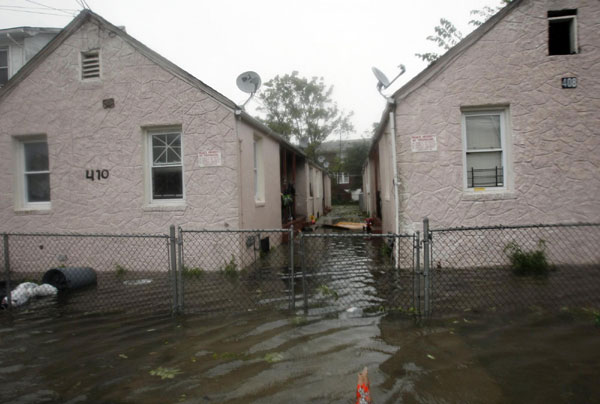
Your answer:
<point x="436" y="67"/>
<point x="88" y="15"/>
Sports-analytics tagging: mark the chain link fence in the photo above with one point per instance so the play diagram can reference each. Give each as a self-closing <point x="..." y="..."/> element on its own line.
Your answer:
<point x="340" y="272"/>
<point x="511" y="268"/>
<point x="440" y="271"/>
<point x="234" y="270"/>
<point x="93" y="273"/>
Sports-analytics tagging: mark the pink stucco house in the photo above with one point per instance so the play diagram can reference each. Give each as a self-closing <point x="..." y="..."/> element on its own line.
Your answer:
<point x="502" y="129"/>
<point x="98" y="133"/>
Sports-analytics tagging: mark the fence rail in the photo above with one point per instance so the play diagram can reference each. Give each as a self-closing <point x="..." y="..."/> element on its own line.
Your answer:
<point x="436" y="272"/>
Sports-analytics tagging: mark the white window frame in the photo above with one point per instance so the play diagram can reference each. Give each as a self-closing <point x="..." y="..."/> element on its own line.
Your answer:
<point x="259" y="170"/>
<point x="149" y="187"/>
<point x="343" y="178"/>
<point x="502" y="113"/>
<point x="21" y="194"/>
<point x="573" y="33"/>
<point x="7" y="67"/>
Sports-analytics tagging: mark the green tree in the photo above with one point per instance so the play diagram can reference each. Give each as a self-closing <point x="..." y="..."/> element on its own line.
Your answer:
<point x="302" y="110"/>
<point x="447" y="35"/>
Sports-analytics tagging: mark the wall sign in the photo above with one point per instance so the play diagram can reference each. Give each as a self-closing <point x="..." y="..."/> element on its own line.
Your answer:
<point x="209" y="158"/>
<point x="423" y="143"/>
<point x="569" y="82"/>
<point x="99" y="174"/>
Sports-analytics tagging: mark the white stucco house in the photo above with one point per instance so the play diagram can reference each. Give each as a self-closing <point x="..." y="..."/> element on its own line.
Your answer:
<point x="503" y="129"/>
<point x="98" y="133"/>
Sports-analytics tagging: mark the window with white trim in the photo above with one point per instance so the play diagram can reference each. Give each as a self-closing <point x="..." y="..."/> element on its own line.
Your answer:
<point x="562" y="32"/>
<point x="3" y="66"/>
<point x="484" y="141"/>
<point x="166" y="166"/>
<point x="259" y="171"/>
<point x="34" y="173"/>
<point x="343" y="178"/>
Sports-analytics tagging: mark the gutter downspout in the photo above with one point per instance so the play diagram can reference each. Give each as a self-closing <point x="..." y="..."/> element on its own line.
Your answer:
<point x="238" y="120"/>
<point x="392" y="105"/>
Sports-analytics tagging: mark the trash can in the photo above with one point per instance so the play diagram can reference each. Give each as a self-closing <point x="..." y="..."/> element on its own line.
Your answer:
<point x="70" y="277"/>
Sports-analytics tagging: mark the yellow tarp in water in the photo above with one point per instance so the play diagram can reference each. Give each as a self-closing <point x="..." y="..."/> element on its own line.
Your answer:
<point x="349" y="225"/>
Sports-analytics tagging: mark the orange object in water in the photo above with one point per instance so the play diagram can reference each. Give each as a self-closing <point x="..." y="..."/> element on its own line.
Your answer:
<point x="363" y="394"/>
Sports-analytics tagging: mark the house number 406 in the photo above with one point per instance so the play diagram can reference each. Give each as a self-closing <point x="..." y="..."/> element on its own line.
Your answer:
<point x="100" y="174"/>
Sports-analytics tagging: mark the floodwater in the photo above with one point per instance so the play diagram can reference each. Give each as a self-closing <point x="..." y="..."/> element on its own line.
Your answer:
<point x="270" y="357"/>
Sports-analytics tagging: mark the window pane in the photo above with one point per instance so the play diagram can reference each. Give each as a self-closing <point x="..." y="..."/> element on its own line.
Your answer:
<point x="3" y="58"/>
<point x="166" y="148"/>
<point x="167" y="183"/>
<point x="485" y="169"/>
<point x="38" y="187"/>
<point x="36" y="156"/>
<point x="483" y="132"/>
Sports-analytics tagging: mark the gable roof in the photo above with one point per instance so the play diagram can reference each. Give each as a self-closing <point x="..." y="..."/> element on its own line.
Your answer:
<point x="437" y="66"/>
<point x="89" y="16"/>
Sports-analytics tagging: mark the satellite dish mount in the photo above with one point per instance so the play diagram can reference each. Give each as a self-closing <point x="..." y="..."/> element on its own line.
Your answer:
<point x="248" y="82"/>
<point x="383" y="82"/>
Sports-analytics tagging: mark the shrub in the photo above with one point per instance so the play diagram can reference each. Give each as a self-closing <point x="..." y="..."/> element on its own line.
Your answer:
<point x="120" y="271"/>
<point x="528" y="262"/>
<point x="230" y="269"/>
<point x="194" y="272"/>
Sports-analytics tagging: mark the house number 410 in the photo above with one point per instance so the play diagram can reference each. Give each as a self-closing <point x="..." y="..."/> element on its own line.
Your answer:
<point x="100" y="174"/>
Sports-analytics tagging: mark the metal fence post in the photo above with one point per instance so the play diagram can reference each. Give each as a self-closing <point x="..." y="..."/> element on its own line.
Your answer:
<point x="290" y="300"/>
<point x="426" y="264"/>
<point x="173" y="266"/>
<point x="417" y="273"/>
<point x="7" y="270"/>
<point x="303" y="273"/>
<point x="180" y="278"/>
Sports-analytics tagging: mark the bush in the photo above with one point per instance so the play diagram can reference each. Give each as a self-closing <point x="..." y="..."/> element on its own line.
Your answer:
<point x="230" y="270"/>
<point x="528" y="262"/>
<point x="195" y="272"/>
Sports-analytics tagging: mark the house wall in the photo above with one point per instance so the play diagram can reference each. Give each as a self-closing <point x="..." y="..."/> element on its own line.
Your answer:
<point x="553" y="139"/>
<point x="264" y="214"/>
<point x="302" y="206"/>
<point x="327" y="190"/>
<point x="385" y="176"/>
<point x="82" y="135"/>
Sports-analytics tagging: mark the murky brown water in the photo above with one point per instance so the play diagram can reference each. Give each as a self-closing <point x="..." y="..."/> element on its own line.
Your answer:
<point x="269" y="357"/>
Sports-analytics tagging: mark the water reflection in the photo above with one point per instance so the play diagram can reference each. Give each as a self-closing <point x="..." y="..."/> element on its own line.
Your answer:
<point x="48" y="356"/>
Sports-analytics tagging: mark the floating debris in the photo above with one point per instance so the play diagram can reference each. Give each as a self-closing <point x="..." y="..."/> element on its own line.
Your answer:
<point x="165" y="373"/>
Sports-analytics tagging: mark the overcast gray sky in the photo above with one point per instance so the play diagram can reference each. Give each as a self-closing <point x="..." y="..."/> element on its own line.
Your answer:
<point x="218" y="39"/>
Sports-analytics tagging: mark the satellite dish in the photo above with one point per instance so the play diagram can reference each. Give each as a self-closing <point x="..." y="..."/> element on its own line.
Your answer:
<point x="381" y="77"/>
<point x="321" y="159"/>
<point x="382" y="81"/>
<point x="249" y="82"/>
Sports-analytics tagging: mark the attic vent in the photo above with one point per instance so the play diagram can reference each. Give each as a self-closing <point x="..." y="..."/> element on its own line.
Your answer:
<point x="90" y="65"/>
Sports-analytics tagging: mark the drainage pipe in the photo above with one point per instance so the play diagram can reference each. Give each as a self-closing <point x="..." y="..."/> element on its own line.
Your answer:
<point x="392" y="105"/>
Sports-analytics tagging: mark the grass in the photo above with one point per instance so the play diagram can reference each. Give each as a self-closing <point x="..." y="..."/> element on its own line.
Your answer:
<point x="230" y="269"/>
<point x="526" y="263"/>
<point x="192" y="272"/>
<point x="120" y="271"/>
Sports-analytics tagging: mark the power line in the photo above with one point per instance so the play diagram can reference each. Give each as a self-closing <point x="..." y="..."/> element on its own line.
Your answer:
<point x="48" y="7"/>
<point x="34" y="12"/>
